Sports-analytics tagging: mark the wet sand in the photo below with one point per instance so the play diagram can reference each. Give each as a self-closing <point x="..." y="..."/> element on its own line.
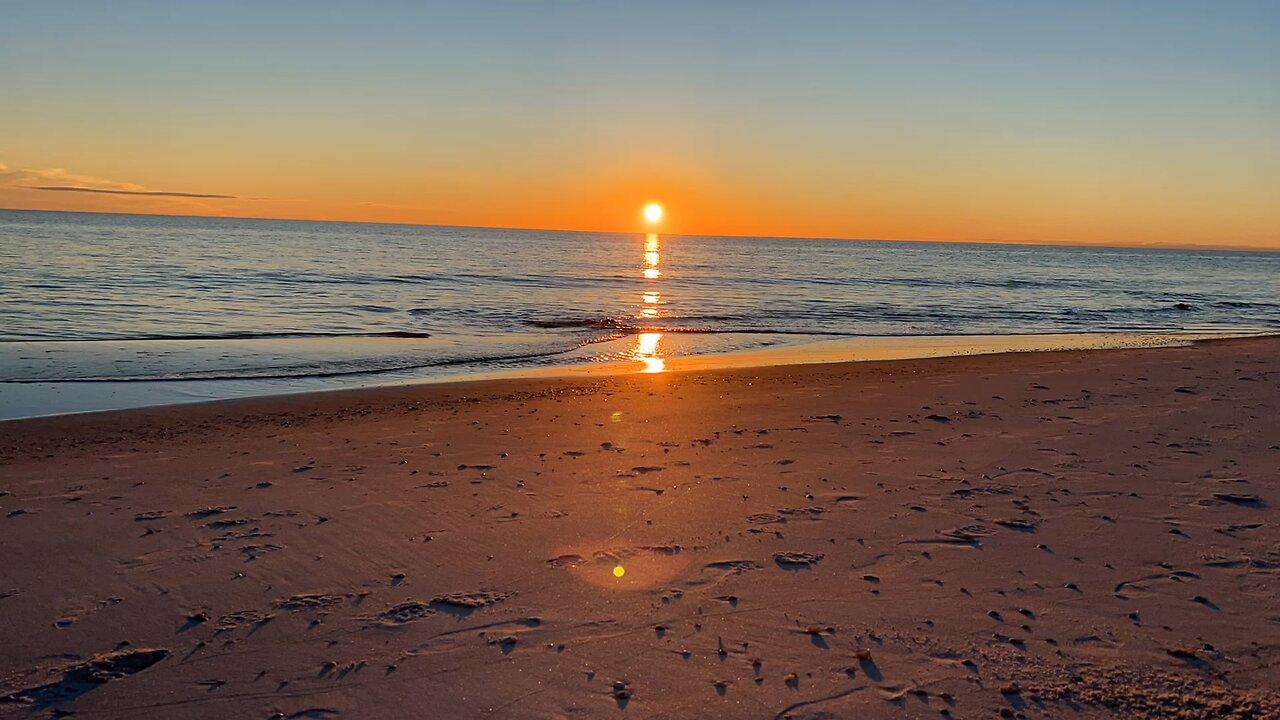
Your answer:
<point x="1073" y="534"/>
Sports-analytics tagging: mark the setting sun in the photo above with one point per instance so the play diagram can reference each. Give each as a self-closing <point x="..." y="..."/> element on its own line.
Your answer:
<point x="653" y="212"/>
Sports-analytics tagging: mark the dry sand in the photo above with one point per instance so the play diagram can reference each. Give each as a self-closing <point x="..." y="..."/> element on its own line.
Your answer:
<point x="1075" y="534"/>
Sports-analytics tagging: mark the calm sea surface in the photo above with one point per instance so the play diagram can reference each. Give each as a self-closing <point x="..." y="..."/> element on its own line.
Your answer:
<point x="118" y="299"/>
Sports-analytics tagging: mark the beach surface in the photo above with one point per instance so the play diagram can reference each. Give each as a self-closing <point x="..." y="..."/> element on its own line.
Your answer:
<point x="1069" y="534"/>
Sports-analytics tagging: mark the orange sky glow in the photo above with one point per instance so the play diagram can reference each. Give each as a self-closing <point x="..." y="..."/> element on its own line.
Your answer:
<point x="1020" y="122"/>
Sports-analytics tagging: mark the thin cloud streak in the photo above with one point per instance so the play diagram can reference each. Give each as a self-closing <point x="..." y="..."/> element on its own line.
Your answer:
<point x="153" y="193"/>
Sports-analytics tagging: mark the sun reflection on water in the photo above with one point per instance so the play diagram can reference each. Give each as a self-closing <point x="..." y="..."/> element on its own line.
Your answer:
<point x="647" y="348"/>
<point x="652" y="300"/>
<point x="652" y="256"/>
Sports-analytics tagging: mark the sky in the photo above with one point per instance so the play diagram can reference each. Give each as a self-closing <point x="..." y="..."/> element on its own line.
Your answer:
<point x="1116" y="122"/>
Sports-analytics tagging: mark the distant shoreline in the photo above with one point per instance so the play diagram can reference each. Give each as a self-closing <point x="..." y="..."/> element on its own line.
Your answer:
<point x="641" y="231"/>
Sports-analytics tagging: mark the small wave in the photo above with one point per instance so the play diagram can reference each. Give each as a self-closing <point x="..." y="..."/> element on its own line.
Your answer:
<point x="624" y="324"/>
<point x="293" y="372"/>
<point x="625" y="327"/>
<point x="320" y="368"/>
<point x="402" y="334"/>
<point x="585" y="323"/>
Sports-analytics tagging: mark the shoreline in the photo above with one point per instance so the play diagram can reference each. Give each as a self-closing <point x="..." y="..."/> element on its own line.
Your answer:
<point x="1067" y="534"/>
<point x="1183" y="247"/>
<point x="141" y="394"/>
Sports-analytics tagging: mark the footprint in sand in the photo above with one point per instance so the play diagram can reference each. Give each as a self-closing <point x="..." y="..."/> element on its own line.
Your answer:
<point x="1239" y="499"/>
<point x="242" y="618"/>
<point x="796" y="560"/>
<point x="404" y="613"/>
<point x="465" y="603"/>
<point x="300" y="603"/>
<point x="1019" y="524"/>
<point x="210" y="511"/>
<point x="733" y="567"/>
<point x="82" y="677"/>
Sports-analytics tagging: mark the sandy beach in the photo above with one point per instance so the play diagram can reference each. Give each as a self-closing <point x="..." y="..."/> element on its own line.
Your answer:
<point x="1070" y="534"/>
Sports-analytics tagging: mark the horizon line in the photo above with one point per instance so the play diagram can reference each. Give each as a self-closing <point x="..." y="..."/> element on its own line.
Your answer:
<point x="976" y="241"/>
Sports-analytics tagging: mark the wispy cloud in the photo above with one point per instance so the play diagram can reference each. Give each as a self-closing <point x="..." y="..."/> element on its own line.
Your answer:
<point x="161" y="193"/>
<point x="59" y="180"/>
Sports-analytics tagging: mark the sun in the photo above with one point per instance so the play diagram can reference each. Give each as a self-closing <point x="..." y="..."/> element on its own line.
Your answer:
<point x="653" y="212"/>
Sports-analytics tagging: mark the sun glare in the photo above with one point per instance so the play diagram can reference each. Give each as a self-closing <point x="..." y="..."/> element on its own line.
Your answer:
<point x="653" y="212"/>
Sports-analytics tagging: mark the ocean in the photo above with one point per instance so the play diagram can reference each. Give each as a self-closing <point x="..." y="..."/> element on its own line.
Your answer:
<point x="104" y="311"/>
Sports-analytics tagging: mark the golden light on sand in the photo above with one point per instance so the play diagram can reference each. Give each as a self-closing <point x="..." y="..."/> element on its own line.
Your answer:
<point x="653" y="212"/>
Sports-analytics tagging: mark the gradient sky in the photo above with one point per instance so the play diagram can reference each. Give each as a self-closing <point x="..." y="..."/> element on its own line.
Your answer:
<point x="1117" y="122"/>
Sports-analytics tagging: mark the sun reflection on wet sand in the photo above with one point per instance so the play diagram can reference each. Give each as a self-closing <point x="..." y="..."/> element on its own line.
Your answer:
<point x="648" y="350"/>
